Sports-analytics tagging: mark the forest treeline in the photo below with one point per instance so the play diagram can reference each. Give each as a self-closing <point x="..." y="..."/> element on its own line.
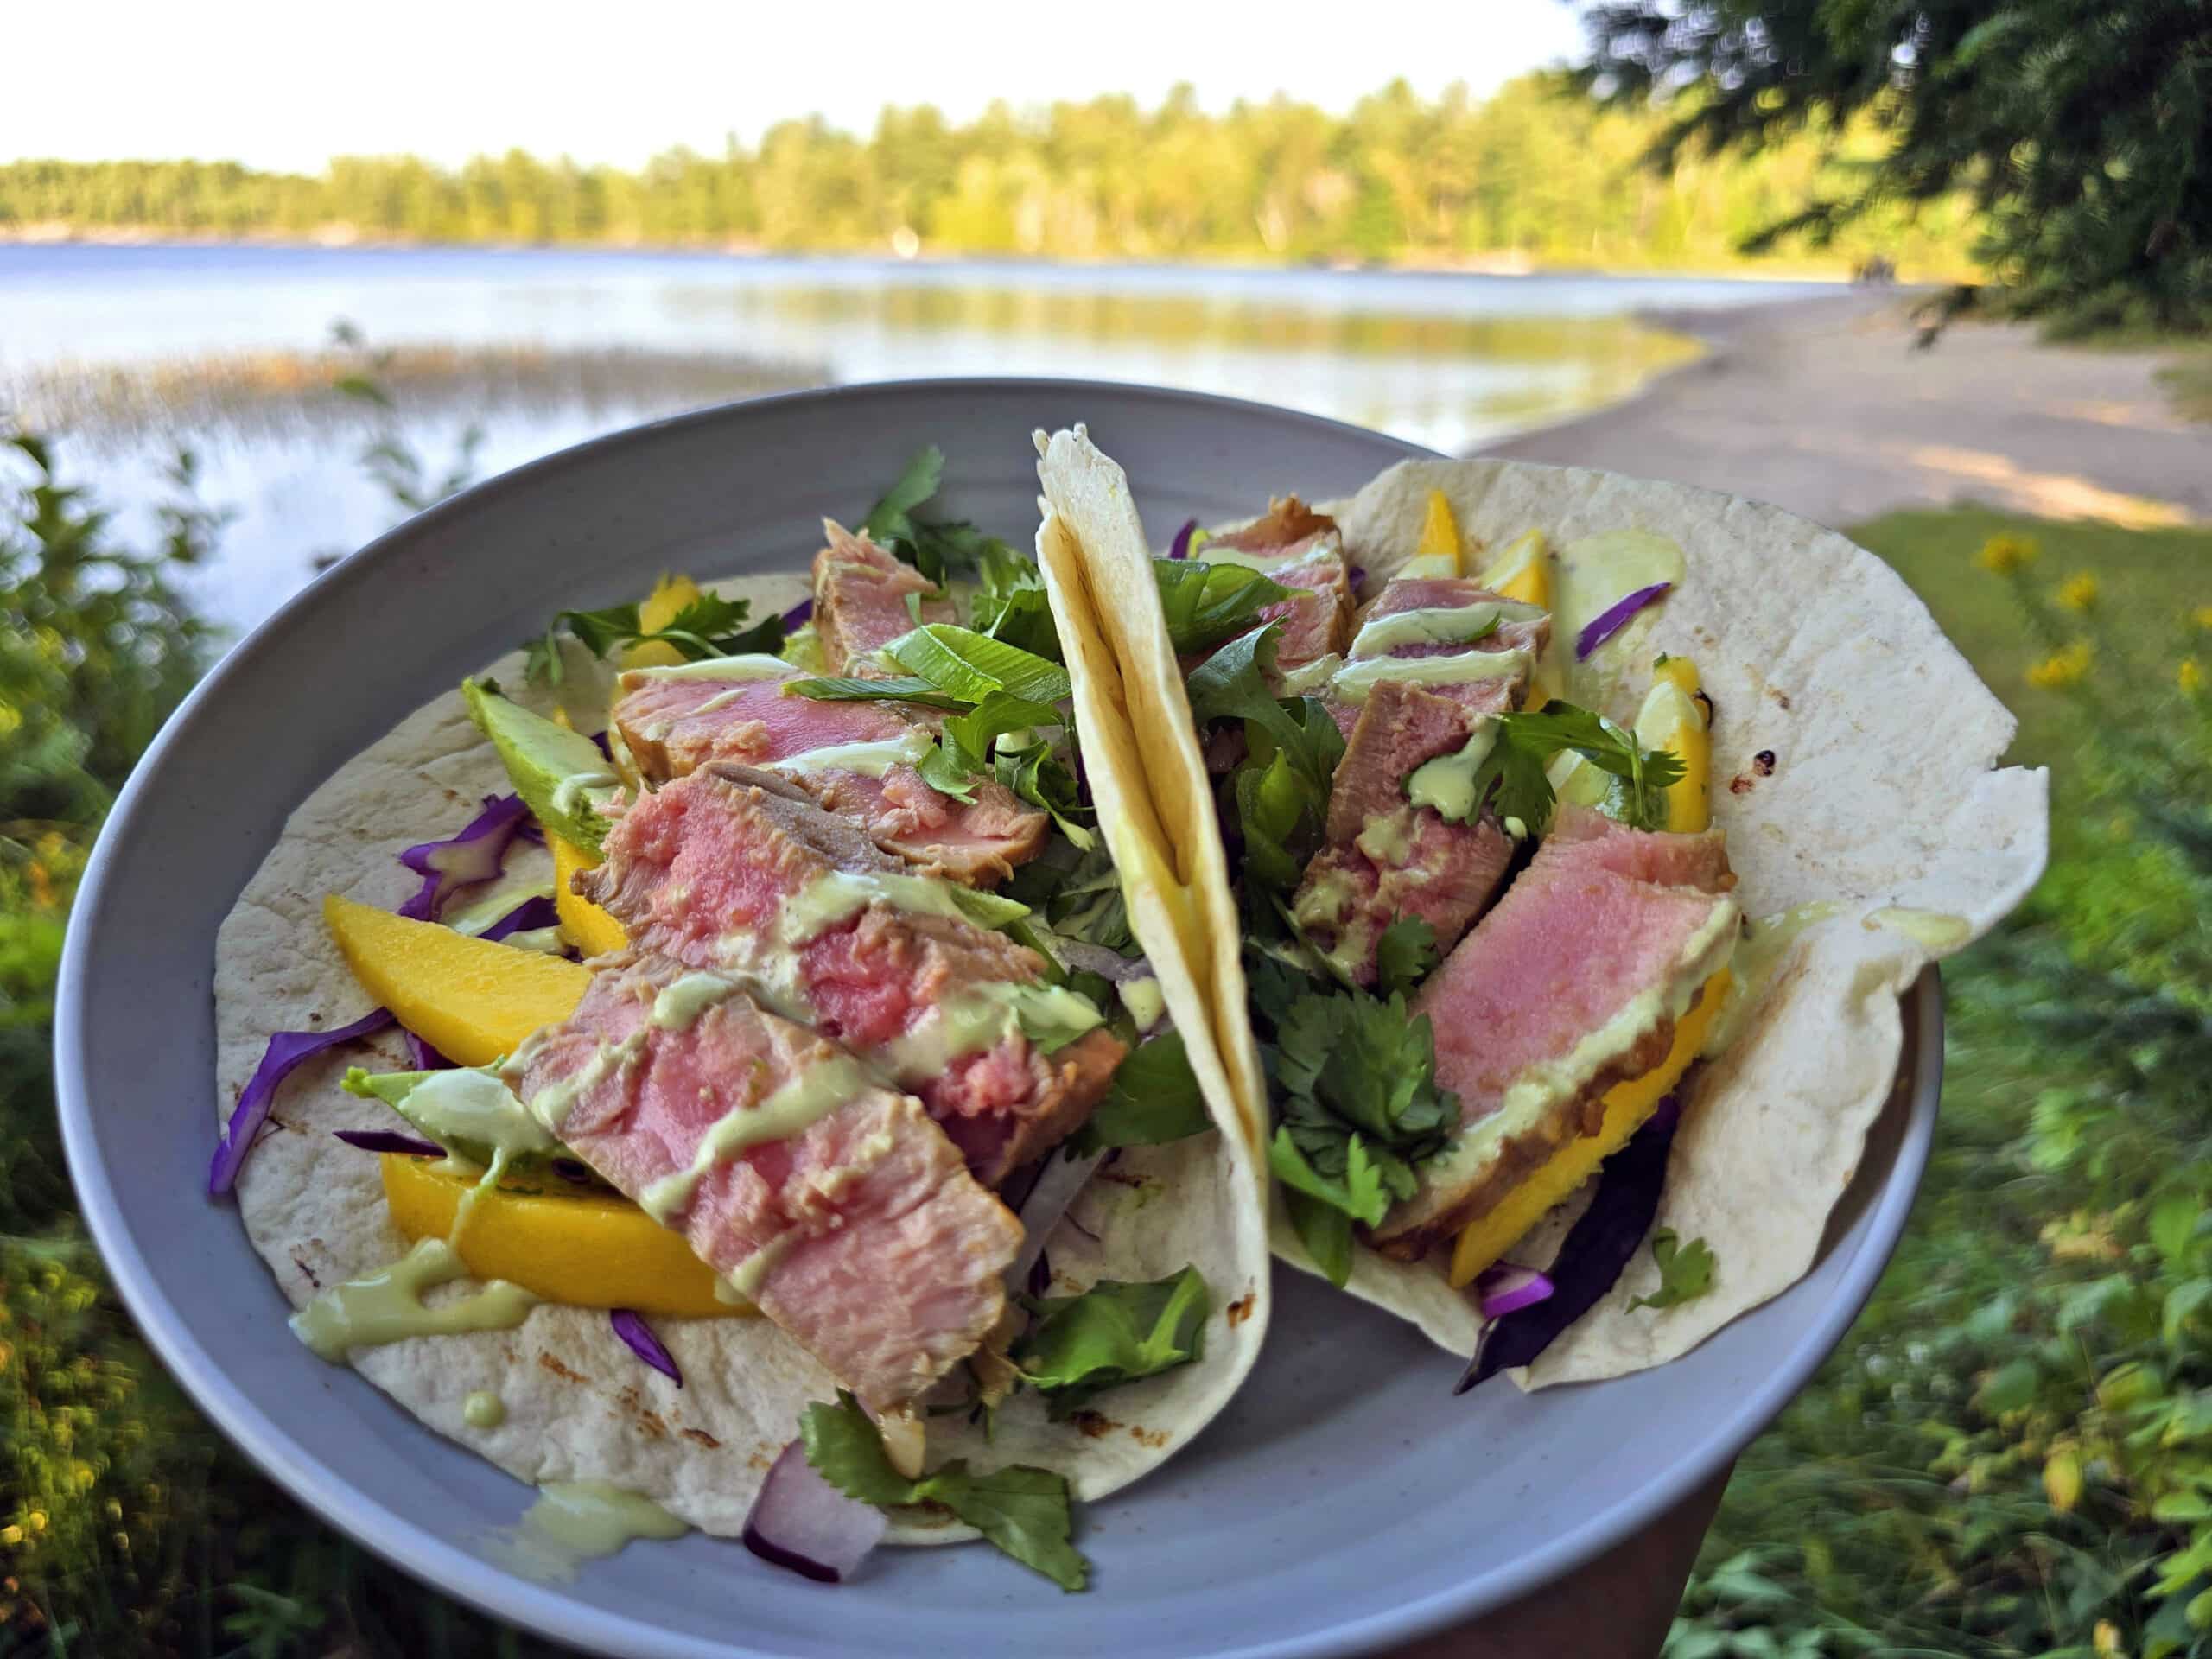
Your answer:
<point x="1534" y="172"/>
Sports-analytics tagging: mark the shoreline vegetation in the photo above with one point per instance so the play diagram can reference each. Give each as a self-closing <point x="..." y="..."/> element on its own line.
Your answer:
<point x="1535" y="177"/>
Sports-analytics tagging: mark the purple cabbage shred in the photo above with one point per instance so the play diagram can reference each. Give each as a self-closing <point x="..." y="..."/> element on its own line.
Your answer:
<point x="631" y="1326"/>
<point x="390" y="1141"/>
<point x="1614" y="617"/>
<point x="1180" y="546"/>
<point x="799" y="614"/>
<point x="286" y="1050"/>
<point x="475" y="854"/>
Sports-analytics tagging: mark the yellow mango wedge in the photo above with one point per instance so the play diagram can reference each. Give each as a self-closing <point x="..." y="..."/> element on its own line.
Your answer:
<point x="1441" y="551"/>
<point x="585" y="1250"/>
<point x="669" y="595"/>
<point x="1674" y="719"/>
<point x="472" y="1000"/>
<point x="596" y="933"/>
<point x="1522" y="572"/>
<point x="1483" y="1242"/>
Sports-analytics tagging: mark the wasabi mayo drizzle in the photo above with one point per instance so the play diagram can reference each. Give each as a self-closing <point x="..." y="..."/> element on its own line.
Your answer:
<point x="1454" y="624"/>
<point x="388" y="1307"/>
<point x="568" y="792"/>
<point x="868" y="759"/>
<point x="680" y="1003"/>
<point x="483" y="1409"/>
<point x="1760" y="954"/>
<point x="1447" y="783"/>
<point x="576" y="1520"/>
<point x="1309" y="679"/>
<point x="1932" y="930"/>
<point x="1589" y="576"/>
<point x="811" y="1094"/>
<point x="828" y="898"/>
<point x="1355" y="680"/>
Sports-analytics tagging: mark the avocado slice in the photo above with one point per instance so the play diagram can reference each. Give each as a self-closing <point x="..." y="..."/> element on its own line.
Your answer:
<point x="468" y="1112"/>
<point x="559" y="773"/>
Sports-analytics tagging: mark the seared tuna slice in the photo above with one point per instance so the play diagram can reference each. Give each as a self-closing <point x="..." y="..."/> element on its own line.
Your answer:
<point x="1570" y="984"/>
<point x="830" y="1201"/>
<point x="736" y="869"/>
<point x="1298" y="548"/>
<point x="855" y="759"/>
<point x="861" y="594"/>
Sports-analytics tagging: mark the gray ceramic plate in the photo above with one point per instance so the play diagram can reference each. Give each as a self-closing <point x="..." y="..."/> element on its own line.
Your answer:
<point x="1346" y="1500"/>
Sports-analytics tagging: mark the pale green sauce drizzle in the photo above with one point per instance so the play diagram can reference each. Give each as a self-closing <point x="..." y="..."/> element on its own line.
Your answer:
<point x="550" y="1105"/>
<point x="1310" y="679"/>
<point x="1387" y="838"/>
<point x="567" y="793"/>
<point x="1451" y="625"/>
<point x="1147" y="1003"/>
<point x="1447" y="784"/>
<point x="576" y="1520"/>
<point x="387" y="1305"/>
<point x="1759" y="956"/>
<point x="868" y="759"/>
<point x="1589" y="576"/>
<point x="750" y="665"/>
<point x="483" y="1409"/>
<point x="829" y="897"/>
<point x="811" y="1094"/>
<point x="680" y="1003"/>
<point x="746" y="1278"/>
<point x="1933" y="930"/>
<point x="1354" y="680"/>
<point x="466" y="1105"/>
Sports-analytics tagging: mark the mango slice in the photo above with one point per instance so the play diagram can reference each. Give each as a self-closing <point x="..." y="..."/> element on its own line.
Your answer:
<point x="596" y="933"/>
<point x="659" y="609"/>
<point x="1673" y="719"/>
<point x="591" y="1250"/>
<point x="471" y="1000"/>
<point x="1483" y="1242"/>
<point x="1521" y="571"/>
<point x="1441" y="551"/>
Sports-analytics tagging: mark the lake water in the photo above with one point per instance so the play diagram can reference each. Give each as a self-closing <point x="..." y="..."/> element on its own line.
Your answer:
<point x="132" y="349"/>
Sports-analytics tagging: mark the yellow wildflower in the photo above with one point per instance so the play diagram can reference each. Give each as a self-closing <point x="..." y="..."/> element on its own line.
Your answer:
<point x="2203" y="617"/>
<point x="2078" y="592"/>
<point x="2190" y="675"/>
<point x="2006" y="554"/>
<point x="2062" y="1479"/>
<point x="2062" y="668"/>
<point x="2106" y="1639"/>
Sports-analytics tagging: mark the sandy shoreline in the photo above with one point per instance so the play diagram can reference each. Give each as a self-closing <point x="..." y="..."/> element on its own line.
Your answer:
<point x="1824" y="406"/>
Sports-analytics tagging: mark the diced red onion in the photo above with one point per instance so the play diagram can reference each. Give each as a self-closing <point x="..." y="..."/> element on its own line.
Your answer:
<point x="285" y="1051"/>
<point x="631" y="1326"/>
<point x="390" y="1141"/>
<point x="1058" y="1183"/>
<point x="799" y="614"/>
<point x="1180" y="546"/>
<point x="1508" y="1287"/>
<point x="475" y="854"/>
<point x="525" y="917"/>
<point x="1611" y="621"/>
<point x="801" y="1522"/>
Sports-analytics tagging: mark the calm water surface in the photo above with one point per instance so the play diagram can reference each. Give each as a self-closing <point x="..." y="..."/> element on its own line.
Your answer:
<point x="1448" y="360"/>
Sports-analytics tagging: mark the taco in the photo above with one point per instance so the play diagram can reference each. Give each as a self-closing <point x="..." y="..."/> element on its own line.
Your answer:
<point x="769" y="1036"/>
<point x="1583" y="833"/>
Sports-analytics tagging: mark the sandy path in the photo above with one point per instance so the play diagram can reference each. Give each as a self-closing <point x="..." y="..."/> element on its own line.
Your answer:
<point x="1824" y="406"/>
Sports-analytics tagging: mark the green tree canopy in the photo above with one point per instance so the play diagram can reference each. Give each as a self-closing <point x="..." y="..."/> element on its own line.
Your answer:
<point x="2081" y="128"/>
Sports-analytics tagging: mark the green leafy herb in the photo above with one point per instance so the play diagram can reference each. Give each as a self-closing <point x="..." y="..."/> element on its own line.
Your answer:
<point x="1281" y="786"/>
<point x="1405" y="954"/>
<point x="964" y="663"/>
<point x="1357" y="1108"/>
<point x="1527" y="743"/>
<point x="836" y="688"/>
<point x="708" y="626"/>
<point x="1208" y="603"/>
<point x="1078" y="892"/>
<point x="1156" y="1098"/>
<point x="936" y="549"/>
<point x="969" y="748"/>
<point x="1685" y="1271"/>
<point x="1113" y="1333"/>
<point x="1024" y="1511"/>
<point x="1010" y="603"/>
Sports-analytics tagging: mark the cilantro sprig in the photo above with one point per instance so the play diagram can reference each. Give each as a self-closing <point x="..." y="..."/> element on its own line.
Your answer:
<point x="1154" y="1099"/>
<point x="1526" y="744"/>
<point x="709" y="625"/>
<point x="1292" y="748"/>
<point x="1024" y="1511"/>
<point x="938" y="549"/>
<point x="1357" y="1107"/>
<point x="1208" y="603"/>
<point x="1113" y="1333"/>
<point x="1685" y="1271"/>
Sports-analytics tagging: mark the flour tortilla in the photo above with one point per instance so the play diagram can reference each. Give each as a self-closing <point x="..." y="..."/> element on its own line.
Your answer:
<point x="1882" y="799"/>
<point x="579" y="1406"/>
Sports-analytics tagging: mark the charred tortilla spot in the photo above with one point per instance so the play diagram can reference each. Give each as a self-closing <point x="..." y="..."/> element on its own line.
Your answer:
<point x="701" y="1436"/>
<point x="1093" y="1425"/>
<point x="1763" y="763"/>
<point x="546" y="1362"/>
<point x="1241" y="1309"/>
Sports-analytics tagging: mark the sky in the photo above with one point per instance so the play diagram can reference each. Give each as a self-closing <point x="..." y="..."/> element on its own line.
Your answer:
<point x="288" y="85"/>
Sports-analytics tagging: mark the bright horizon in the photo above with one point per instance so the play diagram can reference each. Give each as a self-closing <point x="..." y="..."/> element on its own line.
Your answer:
<point x="285" y="88"/>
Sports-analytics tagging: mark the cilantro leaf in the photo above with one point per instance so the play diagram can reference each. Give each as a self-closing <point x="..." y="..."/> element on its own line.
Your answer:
<point x="1527" y="741"/>
<point x="1321" y="1209"/>
<point x="709" y="625"/>
<point x="1685" y="1271"/>
<point x="1156" y="1098"/>
<point x="1024" y="1511"/>
<point x="1114" y="1333"/>
<point x="1406" y="953"/>
<point x="969" y="748"/>
<point x="1078" y="892"/>
<point x="1010" y="603"/>
<point x="1208" y="603"/>
<point x="934" y="548"/>
<point x="1281" y="787"/>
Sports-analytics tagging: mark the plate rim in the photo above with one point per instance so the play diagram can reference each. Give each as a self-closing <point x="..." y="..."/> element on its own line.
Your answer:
<point x="399" y="1540"/>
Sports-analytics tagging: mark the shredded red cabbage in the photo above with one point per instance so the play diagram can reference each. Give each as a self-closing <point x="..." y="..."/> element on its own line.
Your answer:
<point x="1508" y="1287"/>
<point x="1356" y="575"/>
<point x="1609" y="621"/>
<point x="631" y="1326"/>
<point x="1180" y="546"/>
<point x="390" y="1141"/>
<point x="285" y="1052"/>
<point x="475" y="854"/>
<point x="525" y="917"/>
<point x="426" y="1059"/>
<point x="1601" y="1244"/>
<point x="799" y="614"/>
<point x="801" y="1522"/>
